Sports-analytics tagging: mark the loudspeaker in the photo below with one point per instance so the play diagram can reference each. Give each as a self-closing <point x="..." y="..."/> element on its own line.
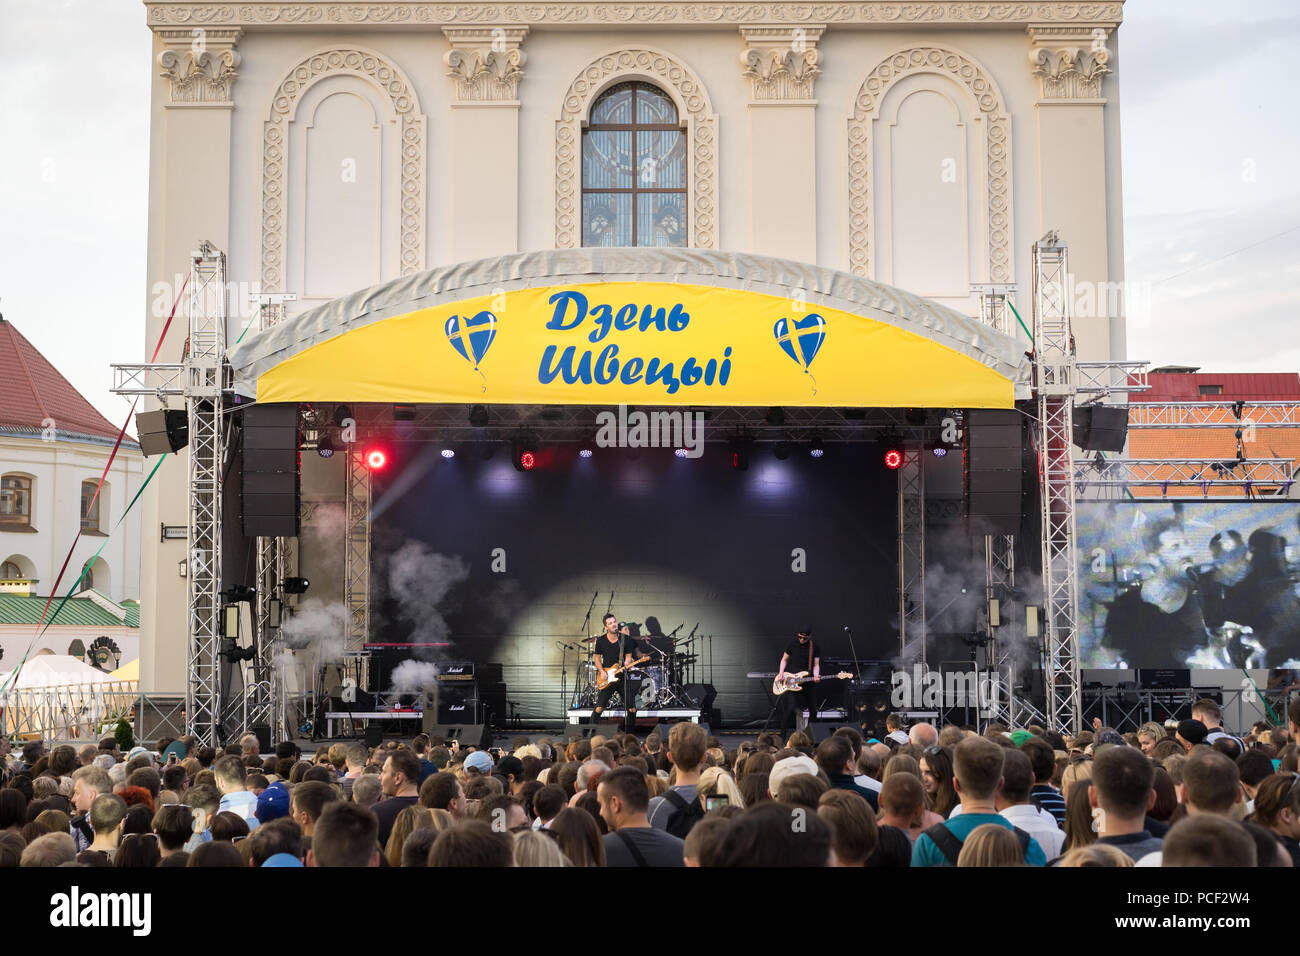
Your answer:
<point x="430" y="710"/>
<point x="374" y="734"/>
<point x="263" y="733"/>
<point x="606" y="729"/>
<point x="994" y="448"/>
<point x="470" y="735"/>
<point x="270" y="496"/>
<point x="704" y="694"/>
<point x="162" y="431"/>
<point x="160" y="716"/>
<point x="1100" y="428"/>
<point x="457" y="704"/>
<point x="819" y="730"/>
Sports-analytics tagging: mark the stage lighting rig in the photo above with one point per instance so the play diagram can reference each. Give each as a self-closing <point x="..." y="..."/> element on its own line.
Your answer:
<point x="740" y="448"/>
<point x="376" y="459"/>
<point x="238" y="593"/>
<point x="893" y="459"/>
<point x="295" y="585"/>
<point x="525" y="456"/>
<point x="817" y="449"/>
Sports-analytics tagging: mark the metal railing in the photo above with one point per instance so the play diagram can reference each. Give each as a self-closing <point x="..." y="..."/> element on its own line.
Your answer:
<point x="67" y="711"/>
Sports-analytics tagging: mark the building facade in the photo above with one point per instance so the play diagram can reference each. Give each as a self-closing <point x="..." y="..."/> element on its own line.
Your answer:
<point x="330" y="147"/>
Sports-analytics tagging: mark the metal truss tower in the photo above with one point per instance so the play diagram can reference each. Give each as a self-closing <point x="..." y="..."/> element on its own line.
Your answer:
<point x="203" y="384"/>
<point x="1054" y="383"/>
<point x="911" y="555"/>
<point x="356" y="556"/>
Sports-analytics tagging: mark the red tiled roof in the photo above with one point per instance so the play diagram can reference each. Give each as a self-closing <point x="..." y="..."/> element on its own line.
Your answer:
<point x="32" y="390"/>
<point x="1232" y="386"/>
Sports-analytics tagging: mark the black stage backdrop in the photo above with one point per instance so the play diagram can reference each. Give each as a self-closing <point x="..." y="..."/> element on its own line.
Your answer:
<point x="748" y="556"/>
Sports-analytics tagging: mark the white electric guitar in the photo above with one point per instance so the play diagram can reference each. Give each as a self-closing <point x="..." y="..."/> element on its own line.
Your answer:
<point x="789" y="682"/>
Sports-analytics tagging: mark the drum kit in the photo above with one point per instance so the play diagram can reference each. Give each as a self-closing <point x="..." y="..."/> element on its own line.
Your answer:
<point x="661" y="679"/>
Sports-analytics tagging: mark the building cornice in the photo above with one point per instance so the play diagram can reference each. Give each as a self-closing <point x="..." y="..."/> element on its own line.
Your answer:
<point x="266" y="14"/>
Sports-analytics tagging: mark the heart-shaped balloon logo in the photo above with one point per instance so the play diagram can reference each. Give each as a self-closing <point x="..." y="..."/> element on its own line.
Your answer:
<point x="801" y="340"/>
<point x="472" y="337"/>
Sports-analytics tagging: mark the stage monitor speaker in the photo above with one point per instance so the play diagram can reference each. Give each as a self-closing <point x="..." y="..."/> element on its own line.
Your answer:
<point x="1100" y="428"/>
<point x="994" y="452"/>
<point x="704" y="694"/>
<point x="374" y="734"/>
<point x="271" y="488"/>
<point x="263" y="733"/>
<point x="609" y="728"/>
<point x="470" y="735"/>
<point x="819" y="730"/>
<point x="162" y="431"/>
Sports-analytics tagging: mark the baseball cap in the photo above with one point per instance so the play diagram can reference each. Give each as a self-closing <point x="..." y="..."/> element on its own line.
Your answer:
<point x="1018" y="737"/>
<point x="282" y="859"/>
<point x="479" y="760"/>
<point x="273" y="802"/>
<point x="1193" y="731"/>
<point x="789" y="767"/>
<point x="1109" y="737"/>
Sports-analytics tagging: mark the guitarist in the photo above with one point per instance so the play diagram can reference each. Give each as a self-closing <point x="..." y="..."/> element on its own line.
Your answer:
<point x="616" y="646"/>
<point x="801" y="654"/>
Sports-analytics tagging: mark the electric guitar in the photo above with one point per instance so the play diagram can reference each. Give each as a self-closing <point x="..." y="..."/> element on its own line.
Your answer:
<point x="782" y="685"/>
<point x="608" y="676"/>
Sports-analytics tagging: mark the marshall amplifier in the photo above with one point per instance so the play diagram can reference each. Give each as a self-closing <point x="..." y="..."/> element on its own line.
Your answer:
<point x="457" y="671"/>
<point x="458" y="705"/>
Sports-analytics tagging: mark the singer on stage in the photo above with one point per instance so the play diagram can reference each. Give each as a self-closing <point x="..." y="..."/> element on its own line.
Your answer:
<point x="617" y="648"/>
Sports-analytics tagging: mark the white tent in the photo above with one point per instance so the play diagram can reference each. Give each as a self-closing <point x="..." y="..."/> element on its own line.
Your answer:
<point x="54" y="670"/>
<point x="57" y="696"/>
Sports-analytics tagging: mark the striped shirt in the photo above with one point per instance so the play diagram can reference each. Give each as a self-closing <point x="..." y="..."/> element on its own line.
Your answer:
<point x="1049" y="798"/>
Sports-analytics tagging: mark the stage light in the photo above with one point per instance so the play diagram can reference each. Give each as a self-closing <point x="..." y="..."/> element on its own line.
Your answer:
<point x="325" y="447"/>
<point x="938" y="451"/>
<point x="478" y="416"/>
<point x="525" y="457"/>
<point x="893" y="459"/>
<point x="376" y="459"/>
<point x="584" y="452"/>
<point x="295" y="585"/>
<point x="740" y="454"/>
<point x="239" y="592"/>
<point x="817" y="450"/>
<point x="448" y="453"/>
<point x="782" y="450"/>
<point x="681" y="453"/>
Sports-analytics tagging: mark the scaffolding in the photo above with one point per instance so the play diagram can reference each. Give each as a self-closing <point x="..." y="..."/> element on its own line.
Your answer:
<point x="911" y="555"/>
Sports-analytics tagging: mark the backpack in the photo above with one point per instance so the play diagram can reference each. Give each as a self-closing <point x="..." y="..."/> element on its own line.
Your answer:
<point x="685" y="816"/>
<point x="950" y="846"/>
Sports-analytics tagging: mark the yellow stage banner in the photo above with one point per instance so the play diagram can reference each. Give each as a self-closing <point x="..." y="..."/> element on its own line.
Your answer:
<point x="645" y="343"/>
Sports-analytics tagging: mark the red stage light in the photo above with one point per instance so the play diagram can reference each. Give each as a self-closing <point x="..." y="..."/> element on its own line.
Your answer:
<point x="893" y="459"/>
<point x="527" y="460"/>
<point x="376" y="459"/>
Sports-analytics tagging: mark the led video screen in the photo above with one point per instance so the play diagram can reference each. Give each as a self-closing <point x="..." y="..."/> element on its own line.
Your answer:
<point x="1189" y="584"/>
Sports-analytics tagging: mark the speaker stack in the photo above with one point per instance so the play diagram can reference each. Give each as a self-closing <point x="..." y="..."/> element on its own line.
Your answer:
<point x="994" y="447"/>
<point x="271" y="488"/>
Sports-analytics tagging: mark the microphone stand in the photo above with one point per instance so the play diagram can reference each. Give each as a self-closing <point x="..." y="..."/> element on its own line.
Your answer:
<point x="583" y="635"/>
<point x="857" y="678"/>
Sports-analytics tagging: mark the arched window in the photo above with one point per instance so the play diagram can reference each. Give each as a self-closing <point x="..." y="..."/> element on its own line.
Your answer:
<point x="634" y="170"/>
<point x="88" y="579"/>
<point x="90" y="506"/>
<point x="15" y="501"/>
<point x="10" y="572"/>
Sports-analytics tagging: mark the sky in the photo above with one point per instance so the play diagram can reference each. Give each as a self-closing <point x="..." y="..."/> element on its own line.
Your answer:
<point x="1209" y="145"/>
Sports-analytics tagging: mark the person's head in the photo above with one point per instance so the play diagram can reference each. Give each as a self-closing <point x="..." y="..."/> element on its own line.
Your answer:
<point x="1190" y="733"/>
<point x="1166" y="545"/>
<point x="547" y="802"/>
<point x="1122" y="783"/>
<point x="367" y="790"/>
<point x="578" y="837"/>
<point x="63" y="760"/>
<point x="1231" y="557"/>
<point x="800" y="790"/>
<point x="216" y="853"/>
<point x="504" y="813"/>
<point x="977" y="766"/>
<point x="1166" y="801"/>
<point x="776" y="834"/>
<point x="87" y="784"/>
<point x="138" y="850"/>
<point x="248" y="745"/>
<point x="228" y="827"/>
<point x="1207" y="712"/>
<point x="281" y="835"/>
<point x="853" y="825"/>
<point x="1041" y="758"/>
<point x="52" y="849"/>
<point x="923" y="735"/>
<point x="401" y="774"/>
<point x="902" y="798"/>
<point x="346" y="835"/>
<point x="174" y="824"/>
<point x="13" y="809"/>
<point x="147" y="778"/>
<point x="229" y="772"/>
<point x="442" y="791"/>
<point x="416" y="847"/>
<point x="623" y="795"/>
<point x="107" y="813"/>
<point x="687" y="743"/>
<point x="1211" y="783"/>
<point x="12" y="845"/>
<point x="1277" y="804"/>
<point x="834" y="756"/>
<point x="472" y="843"/>
<point x="893" y="722"/>
<point x="308" y="800"/>
<point x="1096" y="854"/>
<point x="534" y="848"/>
<point x="991" y="845"/>
<point x="1208" y="840"/>
<point x="1017" y="778"/>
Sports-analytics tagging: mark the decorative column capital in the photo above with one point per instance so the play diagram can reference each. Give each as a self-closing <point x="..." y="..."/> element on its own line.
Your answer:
<point x="781" y="61"/>
<point x="485" y="62"/>
<point x="1070" y="61"/>
<point x="200" y="65"/>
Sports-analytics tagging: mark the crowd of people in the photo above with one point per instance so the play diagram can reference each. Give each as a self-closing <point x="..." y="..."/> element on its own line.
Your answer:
<point x="1188" y="794"/>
